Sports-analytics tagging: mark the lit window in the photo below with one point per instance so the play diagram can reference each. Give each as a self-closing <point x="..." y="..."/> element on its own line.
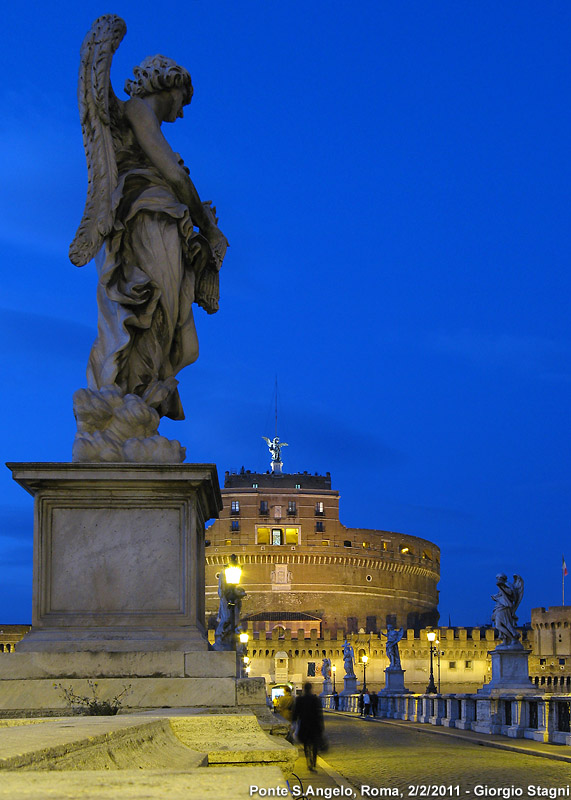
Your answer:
<point x="235" y="506"/>
<point x="277" y="535"/>
<point x="292" y="535"/>
<point x="426" y="554"/>
<point x="367" y="545"/>
<point x="404" y="549"/>
<point x="298" y="485"/>
<point x="263" y="536"/>
<point x="235" y="524"/>
<point x="325" y="542"/>
<point x="319" y="510"/>
<point x="384" y="545"/>
<point x="228" y="542"/>
<point x="254" y="486"/>
<point x="291" y="507"/>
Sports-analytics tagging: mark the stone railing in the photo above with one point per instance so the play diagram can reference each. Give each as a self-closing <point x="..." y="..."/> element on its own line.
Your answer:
<point x="543" y="718"/>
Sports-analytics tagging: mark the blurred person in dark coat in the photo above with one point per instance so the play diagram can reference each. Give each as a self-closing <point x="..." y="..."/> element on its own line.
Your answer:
<point x="308" y="714"/>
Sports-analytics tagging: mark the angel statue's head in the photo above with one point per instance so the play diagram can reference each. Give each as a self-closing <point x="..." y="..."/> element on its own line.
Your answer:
<point x="159" y="74"/>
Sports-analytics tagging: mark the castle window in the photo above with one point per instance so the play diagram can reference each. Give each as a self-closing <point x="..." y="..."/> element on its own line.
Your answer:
<point x="352" y="625"/>
<point x="325" y="542"/>
<point x="311" y="669"/>
<point x="384" y="545"/>
<point x="235" y="507"/>
<point x="426" y="555"/>
<point x="298" y="485"/>
<point x="254" y="486"/>
<point x="277" y="536"/>
<point x="228" y="542"/>
<point x="561" y="662"/>
<point x="292" y="535"/>
<point x="405" y="550"/>
<point x="468" y="664"/>
<point x="367" y="545"/>
<point x="451" y="665"/>
<point x="347" y="543"/>
<point x="319" y="509"/>
<point x="263" y="536"/>
<point x="264" y="507"/>
<point x="319" y="527"/>
<point x="291" y="508"/>
<point x="235" y="525"/>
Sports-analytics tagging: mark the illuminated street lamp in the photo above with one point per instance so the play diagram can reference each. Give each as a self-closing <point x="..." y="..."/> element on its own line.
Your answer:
<point x="230" y="594"/>
<point x="431" y="636"/>
<point x="333" y="670"/>
<point x="232" y="575"/>
<point x="364" y="659"/>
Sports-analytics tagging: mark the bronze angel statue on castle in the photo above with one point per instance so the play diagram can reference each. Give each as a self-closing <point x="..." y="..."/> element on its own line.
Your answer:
<point x="157" y="248"/>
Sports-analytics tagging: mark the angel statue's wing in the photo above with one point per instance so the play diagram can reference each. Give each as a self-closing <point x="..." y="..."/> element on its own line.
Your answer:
<point x="98" y="111"/>
<point x="518" y="591"/>
<point x="265" y="438"/>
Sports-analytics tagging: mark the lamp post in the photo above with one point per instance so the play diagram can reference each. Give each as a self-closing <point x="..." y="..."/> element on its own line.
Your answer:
<point x="438" y="654"/>
<point x="431" y="636"/>
<point x="244" y="651"/>
<point x="364" y="659"/>
<point x="230" y="594"/>
<point x="333" y="670"/>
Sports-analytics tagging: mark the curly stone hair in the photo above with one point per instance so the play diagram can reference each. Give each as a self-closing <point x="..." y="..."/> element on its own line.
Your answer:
<point x="159" y="74"/>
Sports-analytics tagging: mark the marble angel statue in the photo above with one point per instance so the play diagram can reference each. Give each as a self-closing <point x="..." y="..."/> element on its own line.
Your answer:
<point x="157" y="249"/>
<point x="507" y="600"/>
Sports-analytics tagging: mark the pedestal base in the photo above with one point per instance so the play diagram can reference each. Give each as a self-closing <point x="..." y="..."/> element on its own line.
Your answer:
<point x="118" y="556"/>
<point x="327" y="687"/>
<point x="394" y="681"/>
<point x="510" y="671"/>
<point x="349" y="685"/>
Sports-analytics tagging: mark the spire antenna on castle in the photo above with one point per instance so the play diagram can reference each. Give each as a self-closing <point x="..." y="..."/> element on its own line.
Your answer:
<point x="274" y="444"/>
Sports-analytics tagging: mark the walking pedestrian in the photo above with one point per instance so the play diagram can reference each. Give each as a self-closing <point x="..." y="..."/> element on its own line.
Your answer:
<point x="336" y="700"/>
<point x="374" y="703"/>
<point x="307" y="712"/>
<point x="366" y="703"/>
<point x="360" y="704"/>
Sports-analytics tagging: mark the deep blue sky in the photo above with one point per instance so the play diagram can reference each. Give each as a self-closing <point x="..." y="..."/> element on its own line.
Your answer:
<point x="394" y="182"/>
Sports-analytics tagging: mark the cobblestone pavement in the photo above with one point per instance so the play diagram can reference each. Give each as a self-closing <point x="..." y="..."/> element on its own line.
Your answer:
<point x="379" y="754"/>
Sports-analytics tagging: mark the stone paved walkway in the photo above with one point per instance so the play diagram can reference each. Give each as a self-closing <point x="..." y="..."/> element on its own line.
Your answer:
<point x="401" y="758"/>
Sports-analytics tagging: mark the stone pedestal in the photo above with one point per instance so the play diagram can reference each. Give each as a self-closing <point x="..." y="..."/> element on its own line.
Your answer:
<point x="327" y="687"/>
<point x="118" y="555"/>
<point x="394" y="681"/>
<point x="350" y="685"/>
<point x="510" y="671"/>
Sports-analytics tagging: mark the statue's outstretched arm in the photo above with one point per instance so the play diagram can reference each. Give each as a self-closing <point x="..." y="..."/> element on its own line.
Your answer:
<point x="147" y="130"/>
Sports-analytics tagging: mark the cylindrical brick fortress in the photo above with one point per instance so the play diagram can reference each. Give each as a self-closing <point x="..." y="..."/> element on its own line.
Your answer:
<point x="302" y="566"/>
